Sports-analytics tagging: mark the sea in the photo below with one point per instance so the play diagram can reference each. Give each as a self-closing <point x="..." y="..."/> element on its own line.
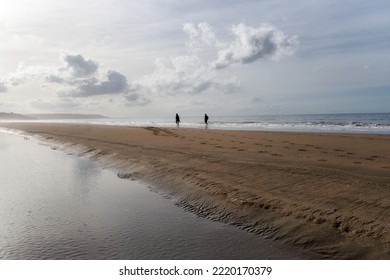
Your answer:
<point x="372" y="123"/>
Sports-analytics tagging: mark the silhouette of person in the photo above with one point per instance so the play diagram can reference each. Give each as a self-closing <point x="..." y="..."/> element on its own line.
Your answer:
<point x="177" y="120"/>
<point x="206" y="119"/>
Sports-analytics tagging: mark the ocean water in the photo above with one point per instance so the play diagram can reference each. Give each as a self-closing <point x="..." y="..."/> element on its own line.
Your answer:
<point x="56" y="205"/>
<point x="378" y="123"/>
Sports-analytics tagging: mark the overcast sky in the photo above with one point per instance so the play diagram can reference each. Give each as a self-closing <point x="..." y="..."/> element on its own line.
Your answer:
<point x="125" y="58"/>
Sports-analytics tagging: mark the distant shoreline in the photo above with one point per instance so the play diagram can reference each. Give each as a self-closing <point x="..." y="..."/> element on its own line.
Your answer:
<point x="328" y="193"/>
<point x="15" y="116"/>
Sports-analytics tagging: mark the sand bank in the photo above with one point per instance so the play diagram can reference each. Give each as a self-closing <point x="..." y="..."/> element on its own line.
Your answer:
<point x="329" y="193"/>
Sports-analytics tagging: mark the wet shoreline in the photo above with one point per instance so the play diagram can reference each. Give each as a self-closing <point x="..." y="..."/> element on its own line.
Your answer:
<point x="59" y="205"/>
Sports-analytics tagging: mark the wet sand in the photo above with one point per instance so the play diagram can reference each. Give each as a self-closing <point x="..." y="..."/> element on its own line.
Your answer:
<point x="329" y="193"/>
<point x="59" y="206"/>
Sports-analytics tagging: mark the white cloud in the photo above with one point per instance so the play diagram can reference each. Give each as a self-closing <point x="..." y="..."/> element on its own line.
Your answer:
<point x="26" y="73"/>
<point x="76" y="77"/>
<point x="182" y="75"/>
<point x="252" y="44"/>
<point x="199" y="35"/>
<point x="191" y="30"/>
<point x="249" y="44"/>
<point x="80" y="77"/>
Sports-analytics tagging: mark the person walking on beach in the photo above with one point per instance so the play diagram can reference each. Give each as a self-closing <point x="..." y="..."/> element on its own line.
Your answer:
<point x="177" y="120"/>
<point x="206" y="120"/>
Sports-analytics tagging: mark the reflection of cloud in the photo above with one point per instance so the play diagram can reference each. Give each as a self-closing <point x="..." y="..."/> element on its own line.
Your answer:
<point x="251" y="44"/>
<point x="86" y="175"/>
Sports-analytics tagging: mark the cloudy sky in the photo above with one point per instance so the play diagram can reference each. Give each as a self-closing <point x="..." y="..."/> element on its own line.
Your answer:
<point x="125" y="58"/>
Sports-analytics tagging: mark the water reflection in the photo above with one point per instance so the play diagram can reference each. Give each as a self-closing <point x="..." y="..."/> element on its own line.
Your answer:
<point x="85" y="177"/>
<point x="57" y="206"/>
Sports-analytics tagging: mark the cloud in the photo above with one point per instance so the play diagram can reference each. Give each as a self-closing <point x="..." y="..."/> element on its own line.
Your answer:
<point x="55" y="105"/>
<point x="249" y="44"/>
<point x="78" y="66"/>
<point x="80" y="77"/>
<point x="51" y="78"/>
<point x="136" y="99"/>
<point x="199" y="35"/>
<point x="77" y="77"/>
<point x="252" y="44"/>
<point x="26" y="73"/>
<point x="256" y="99"/>
<point x="84" y="78"/>
<point x="182" y="75"/>
<point x="3" y="88"/>
<point x="114" y="83"/>
<point x="75" y="67"/>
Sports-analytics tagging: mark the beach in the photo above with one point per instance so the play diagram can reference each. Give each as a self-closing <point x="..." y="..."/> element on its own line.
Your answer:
<point x="325" y="192"/>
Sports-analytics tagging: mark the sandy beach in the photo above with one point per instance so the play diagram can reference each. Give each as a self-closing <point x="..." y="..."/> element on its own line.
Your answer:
<point x="329" y="193"/>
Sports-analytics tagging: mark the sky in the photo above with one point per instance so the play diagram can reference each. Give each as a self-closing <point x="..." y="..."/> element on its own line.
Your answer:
<point x="148" y="59"/>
